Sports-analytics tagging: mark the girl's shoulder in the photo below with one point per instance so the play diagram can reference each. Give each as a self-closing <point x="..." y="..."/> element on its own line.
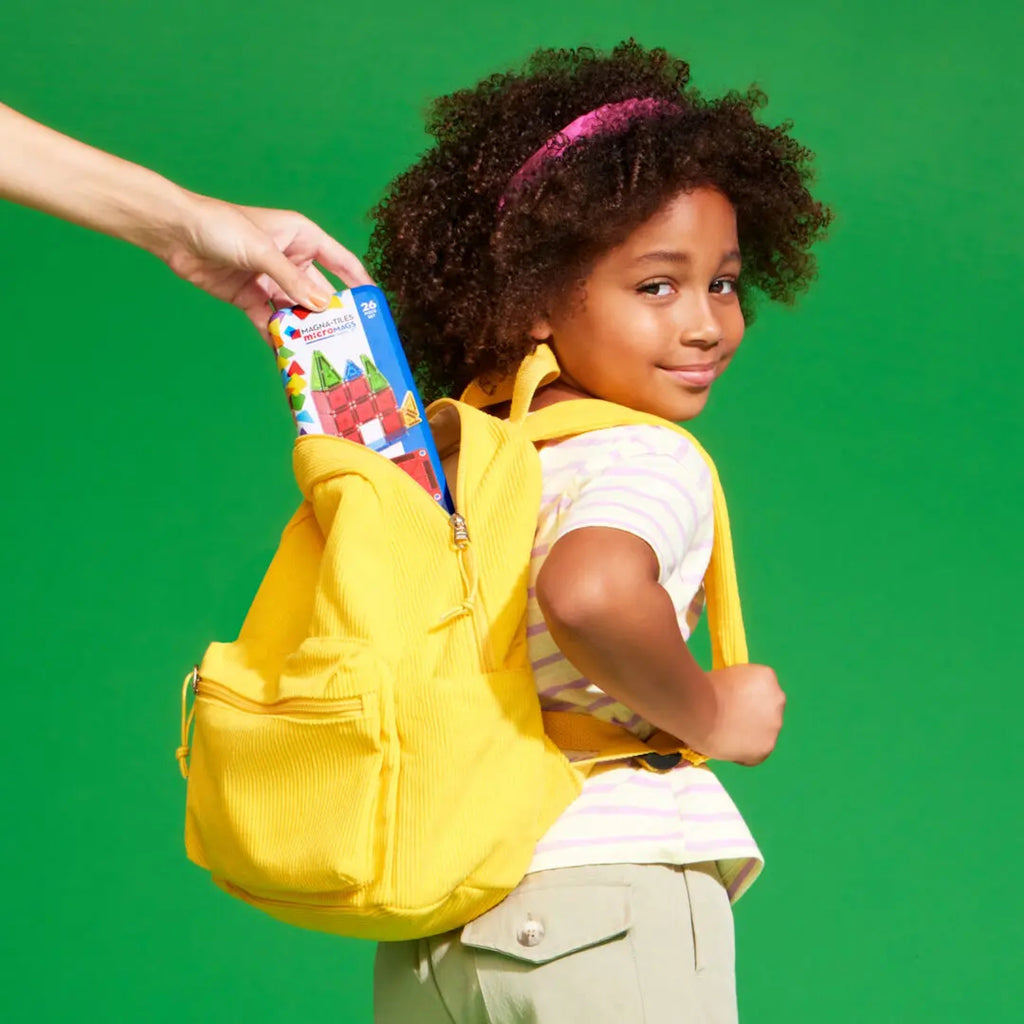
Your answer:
<point x="632" y="441"/>
<point x="642" y="458"/>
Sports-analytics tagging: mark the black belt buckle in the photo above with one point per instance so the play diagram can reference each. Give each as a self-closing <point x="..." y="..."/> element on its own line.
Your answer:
<point x="660" y="762"/>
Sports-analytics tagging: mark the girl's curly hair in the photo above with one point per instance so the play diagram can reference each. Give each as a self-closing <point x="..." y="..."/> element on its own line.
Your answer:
<point x="467" y="279"/>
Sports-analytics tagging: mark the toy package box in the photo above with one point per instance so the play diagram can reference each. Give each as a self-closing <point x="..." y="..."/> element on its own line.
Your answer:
<point x="345" y="374"/>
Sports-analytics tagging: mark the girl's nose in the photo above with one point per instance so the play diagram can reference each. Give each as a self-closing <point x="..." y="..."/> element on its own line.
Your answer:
<point x="701" y="327"/>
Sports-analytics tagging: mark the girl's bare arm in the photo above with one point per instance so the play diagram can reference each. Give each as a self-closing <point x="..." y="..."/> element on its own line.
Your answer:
<point x="599" y="592"/>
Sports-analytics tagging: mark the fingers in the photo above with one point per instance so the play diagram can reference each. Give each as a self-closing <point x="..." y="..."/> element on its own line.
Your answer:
<point x="338" y="260"/>
<point x="262" y="294"/>
<point x="297" y="285"/>
<point x="282" y="257"/>
<point x="302" y="240"/>
<point x="252" y="300"/>
<point x="303" y="282"/>
<point x="320" y="282"/>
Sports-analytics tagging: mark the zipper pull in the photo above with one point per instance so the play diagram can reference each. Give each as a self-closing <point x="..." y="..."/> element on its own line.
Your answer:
<point x="460" y="538"/>
<point x="460" y="534"/>
<point x="187" y="715"/>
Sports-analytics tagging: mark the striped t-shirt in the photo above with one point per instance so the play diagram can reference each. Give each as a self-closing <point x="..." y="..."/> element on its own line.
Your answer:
<point x="651" y="482"/>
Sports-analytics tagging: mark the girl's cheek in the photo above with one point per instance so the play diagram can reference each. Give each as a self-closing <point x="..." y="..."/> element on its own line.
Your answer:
<point x="734" y="326"/>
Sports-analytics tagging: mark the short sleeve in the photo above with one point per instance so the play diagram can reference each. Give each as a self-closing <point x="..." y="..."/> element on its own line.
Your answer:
<point x="656" y="488"/>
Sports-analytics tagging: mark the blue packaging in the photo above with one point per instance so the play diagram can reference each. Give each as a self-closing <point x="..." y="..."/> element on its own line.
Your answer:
<point x="346" y="375"/>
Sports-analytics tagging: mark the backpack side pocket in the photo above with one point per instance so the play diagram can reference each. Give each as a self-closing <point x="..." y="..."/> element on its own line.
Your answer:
<point x="284" y="793"/>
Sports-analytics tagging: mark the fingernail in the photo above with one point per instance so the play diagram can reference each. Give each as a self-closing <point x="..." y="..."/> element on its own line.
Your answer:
<point x="319" y="301"/>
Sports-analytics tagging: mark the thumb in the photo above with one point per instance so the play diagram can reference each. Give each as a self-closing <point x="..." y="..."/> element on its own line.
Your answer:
<point x="290" y="279"/>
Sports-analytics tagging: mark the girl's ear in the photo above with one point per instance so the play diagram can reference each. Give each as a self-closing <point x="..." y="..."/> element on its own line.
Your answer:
<point x="541" y="329"/>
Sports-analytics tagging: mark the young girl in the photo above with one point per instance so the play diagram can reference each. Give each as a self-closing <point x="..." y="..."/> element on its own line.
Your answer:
<point x="597" y="204"/>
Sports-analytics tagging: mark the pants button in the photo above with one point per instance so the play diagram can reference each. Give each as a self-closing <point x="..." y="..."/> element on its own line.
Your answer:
<point x="531" y="933"/>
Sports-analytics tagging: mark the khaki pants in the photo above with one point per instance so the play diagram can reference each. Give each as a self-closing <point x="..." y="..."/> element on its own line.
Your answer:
<point x="622" y="943"/>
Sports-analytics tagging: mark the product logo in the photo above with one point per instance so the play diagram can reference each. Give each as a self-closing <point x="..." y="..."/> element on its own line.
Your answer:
<point x="322" y="329"/>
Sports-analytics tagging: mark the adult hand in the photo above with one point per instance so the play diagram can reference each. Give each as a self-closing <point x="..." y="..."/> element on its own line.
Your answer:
<point x="254" y="257"/>
<point x="242" y="254"/>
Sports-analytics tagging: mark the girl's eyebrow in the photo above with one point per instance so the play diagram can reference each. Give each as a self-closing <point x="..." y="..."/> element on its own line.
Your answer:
<point x="677" y="256"/>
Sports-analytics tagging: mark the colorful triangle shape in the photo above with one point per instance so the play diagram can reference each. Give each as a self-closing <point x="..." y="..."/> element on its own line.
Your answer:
<point x="410" y="413"/>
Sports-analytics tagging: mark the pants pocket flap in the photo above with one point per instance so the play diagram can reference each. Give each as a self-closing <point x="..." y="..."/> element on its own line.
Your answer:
<point x="541" y="924"/>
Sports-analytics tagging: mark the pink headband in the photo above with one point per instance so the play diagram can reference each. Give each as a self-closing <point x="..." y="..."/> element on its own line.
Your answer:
<point x="610" y="117"/>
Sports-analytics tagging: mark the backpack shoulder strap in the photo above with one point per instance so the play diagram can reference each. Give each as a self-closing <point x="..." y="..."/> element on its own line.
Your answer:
<point x="540" y="367"/>
<point x="725" y="616"/>
<point x="588" y="741"/>
<point x="582" y="415"/>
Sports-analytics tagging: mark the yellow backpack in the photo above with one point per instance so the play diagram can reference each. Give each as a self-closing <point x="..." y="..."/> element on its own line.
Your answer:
<point x="369" y="757"/>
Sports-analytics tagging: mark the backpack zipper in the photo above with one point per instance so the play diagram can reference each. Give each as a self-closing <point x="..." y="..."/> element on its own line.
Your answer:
<point x="472" y="603"/>
<point x="341" y="709"/>
<point x="300" y="707"/>
<point x="460" y="535"/>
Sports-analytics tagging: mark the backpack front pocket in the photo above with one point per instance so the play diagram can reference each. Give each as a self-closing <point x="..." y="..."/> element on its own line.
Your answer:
<point x="283" y="794"/>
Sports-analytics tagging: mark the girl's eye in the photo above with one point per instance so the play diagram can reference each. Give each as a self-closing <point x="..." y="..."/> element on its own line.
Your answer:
<point x="655" y="288"/>
<point x="723" y="286"/>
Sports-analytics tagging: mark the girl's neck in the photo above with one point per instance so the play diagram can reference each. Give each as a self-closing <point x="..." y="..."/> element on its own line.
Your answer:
<point x="557" y="391"/>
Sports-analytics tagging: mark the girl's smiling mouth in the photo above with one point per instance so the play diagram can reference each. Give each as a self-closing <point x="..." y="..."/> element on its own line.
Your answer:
<point x="698" y="376"/>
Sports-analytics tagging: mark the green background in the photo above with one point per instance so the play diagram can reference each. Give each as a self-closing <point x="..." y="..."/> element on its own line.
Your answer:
<point x="869" y="442"/>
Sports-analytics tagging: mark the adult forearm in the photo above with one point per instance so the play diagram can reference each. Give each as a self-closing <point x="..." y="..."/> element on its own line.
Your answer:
<point x="42" y="168"/>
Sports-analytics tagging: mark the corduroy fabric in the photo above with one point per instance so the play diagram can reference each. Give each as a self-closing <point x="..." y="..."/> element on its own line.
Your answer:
<point x="369" y="756"/>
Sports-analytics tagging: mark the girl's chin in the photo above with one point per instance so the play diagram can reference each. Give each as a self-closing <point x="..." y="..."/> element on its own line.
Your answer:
<point x="676" y="408"/>
<point x="684" y="408"/>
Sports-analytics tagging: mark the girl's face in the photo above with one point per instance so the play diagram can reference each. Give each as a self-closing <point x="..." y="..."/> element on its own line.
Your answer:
<point x="659" y="318"/>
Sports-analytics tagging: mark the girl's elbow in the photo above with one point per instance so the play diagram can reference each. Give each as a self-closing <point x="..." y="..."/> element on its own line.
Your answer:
<point x="575" y="602"/>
